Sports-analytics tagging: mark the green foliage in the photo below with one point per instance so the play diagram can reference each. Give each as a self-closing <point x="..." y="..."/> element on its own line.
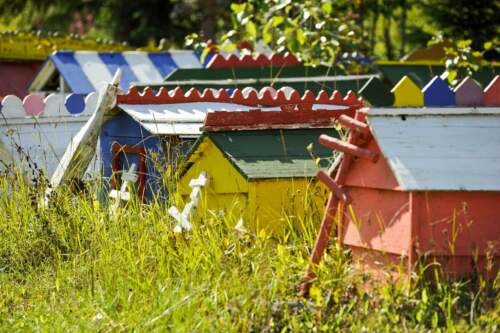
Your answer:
<point x="75" y="267"/>
<point x="461" y="59"/>
<point x="313" y="30"/>
<point x="474" y="20"/>
<point x="137" y="22"/>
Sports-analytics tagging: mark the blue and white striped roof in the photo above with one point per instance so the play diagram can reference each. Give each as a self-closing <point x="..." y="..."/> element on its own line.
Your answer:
<point x="84" y="70"/>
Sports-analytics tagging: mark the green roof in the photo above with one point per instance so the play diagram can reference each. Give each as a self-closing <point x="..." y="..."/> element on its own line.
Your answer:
<point x="267" y="154"/>
<point x="201" y="78"/>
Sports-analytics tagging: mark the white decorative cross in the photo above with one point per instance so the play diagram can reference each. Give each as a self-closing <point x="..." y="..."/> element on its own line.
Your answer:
<point x="183" y="218"/>
<point x="128" y="177"/>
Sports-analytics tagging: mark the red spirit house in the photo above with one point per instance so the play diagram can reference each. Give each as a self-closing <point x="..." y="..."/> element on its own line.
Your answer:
<point x="419" y="183"/>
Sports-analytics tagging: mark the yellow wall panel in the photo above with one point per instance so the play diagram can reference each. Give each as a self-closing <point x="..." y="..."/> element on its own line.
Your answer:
<point x="273" y="203"/>
<point x="268" y="204"/>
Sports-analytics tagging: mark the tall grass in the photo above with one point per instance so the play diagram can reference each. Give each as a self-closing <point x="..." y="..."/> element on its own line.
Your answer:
<point x="74" y="266"/>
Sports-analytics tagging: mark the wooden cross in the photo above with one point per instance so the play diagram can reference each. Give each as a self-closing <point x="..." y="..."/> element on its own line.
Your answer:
<point x="128" y="177"/>
<point x="182" y="218"/>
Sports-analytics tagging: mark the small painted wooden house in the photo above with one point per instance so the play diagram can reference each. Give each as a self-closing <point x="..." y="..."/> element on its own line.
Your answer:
<point x="257" y="162"/>
<point x="421" y="183"/>
<point x="150" y="128"/>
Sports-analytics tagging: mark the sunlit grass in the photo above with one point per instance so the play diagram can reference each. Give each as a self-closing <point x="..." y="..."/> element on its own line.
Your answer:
<point x="74" y="266"/>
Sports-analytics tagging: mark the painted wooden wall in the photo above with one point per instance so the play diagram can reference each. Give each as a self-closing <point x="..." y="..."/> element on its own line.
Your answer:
<point x="124" y="130"/>
<point x="43" y="127"/>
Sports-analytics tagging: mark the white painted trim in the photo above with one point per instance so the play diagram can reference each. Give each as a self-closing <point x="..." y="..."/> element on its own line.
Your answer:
<point x="43" y="120"/>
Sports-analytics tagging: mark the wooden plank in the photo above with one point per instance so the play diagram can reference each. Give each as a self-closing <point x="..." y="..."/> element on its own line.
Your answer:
<point x="81" y="148"/>
<point x="142" y="67"/>
<point x="54" y="106"/>
<point x="407" y="93"/>
<point x="468" y="93"/>
<point x="492" y="92"/>
<point x="6" y="158"/>
<point x="438" y="93"/>
<point x="93" y="68"/>
<point x="12" y="107"/>
<point x="43" y="139"/>
<point x="75" y="103"/>
<point x="185" y="59"/>
<point x="33" y="105"/>
<point x="90" y="103"/>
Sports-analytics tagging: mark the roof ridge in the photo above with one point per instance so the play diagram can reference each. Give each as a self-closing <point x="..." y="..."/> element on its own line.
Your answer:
<point x="247" y="60"/>
<point x="266" y="97"/>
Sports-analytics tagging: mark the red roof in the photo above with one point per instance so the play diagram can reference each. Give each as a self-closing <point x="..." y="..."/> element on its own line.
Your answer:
<point x="232" y="60"/>
<point x="267" y="97"/>
<point x="16" y="76"/>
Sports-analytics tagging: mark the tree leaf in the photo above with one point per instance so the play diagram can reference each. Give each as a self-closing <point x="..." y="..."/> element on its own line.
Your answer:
<point x="277" y="20"/>
<point x="300" y="36"/>
<point x="326" y="7"/>
<point x="238" y="8"/>
<point x="251" y="29"/>
<point x="267" y="34"/>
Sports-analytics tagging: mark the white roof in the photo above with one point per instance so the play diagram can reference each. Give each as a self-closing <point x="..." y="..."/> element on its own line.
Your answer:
<point x="439" y="149"/>
<point x="187" y="118"/>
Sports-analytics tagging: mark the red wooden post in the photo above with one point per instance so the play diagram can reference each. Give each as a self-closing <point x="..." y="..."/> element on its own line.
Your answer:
<point x="348" y="148"/>
<point x="354" y="125"/>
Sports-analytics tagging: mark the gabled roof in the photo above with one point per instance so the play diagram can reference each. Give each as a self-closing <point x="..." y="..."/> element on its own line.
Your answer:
<point x="233" y="60"/>
<point x="440" y="149"/>
<point x="271" y="154"/>
<point x="83" y="71"/>
<point x="177" y="113"/>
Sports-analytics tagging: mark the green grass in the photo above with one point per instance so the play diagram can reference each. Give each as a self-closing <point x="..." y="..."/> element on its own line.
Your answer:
<point x="73" y="267"/>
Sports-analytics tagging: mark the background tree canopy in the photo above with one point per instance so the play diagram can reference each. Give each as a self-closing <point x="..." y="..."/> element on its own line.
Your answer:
<point x="319" y="30"/>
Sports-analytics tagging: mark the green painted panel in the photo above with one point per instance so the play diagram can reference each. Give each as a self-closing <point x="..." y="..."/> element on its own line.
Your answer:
<point x="422" y="74"/>
<point x="377" y="93"/>
<point x="262" y="76"/>
<point x="264" y="154"/>
<point x="251" y="73"/>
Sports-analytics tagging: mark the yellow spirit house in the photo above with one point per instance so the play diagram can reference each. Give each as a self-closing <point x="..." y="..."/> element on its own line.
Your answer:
<point x="261" y="163"/>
